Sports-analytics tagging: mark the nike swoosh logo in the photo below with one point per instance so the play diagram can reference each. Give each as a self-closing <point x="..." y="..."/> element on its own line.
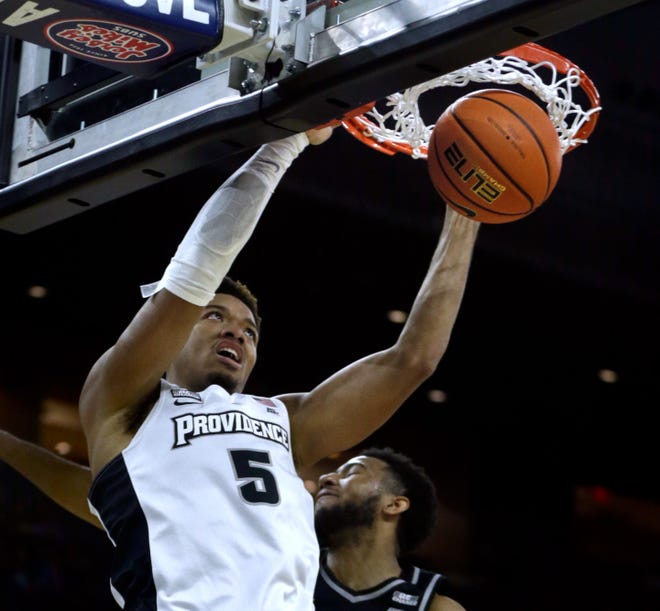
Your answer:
<point x="189" y="402"/>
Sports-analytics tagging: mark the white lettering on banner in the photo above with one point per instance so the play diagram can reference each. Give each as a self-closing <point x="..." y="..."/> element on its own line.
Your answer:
<point x="26" y="13"/>
<point x="192" y="14"/>
<point x="189" y="12"/>
<point x="30" y="11"/>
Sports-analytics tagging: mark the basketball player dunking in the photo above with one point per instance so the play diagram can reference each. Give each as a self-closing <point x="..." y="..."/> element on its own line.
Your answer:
<point x="195" y="482"/>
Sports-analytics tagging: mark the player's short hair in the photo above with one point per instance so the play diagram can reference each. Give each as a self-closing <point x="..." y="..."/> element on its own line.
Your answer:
<point x="237" y="289"/>
<point x="409" y="480"/>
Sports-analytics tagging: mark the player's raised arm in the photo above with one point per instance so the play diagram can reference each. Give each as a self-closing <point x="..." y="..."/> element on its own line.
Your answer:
<point x="354" y="402"/>
<point x="63" y="481"/>
<point x="123" y="381"/>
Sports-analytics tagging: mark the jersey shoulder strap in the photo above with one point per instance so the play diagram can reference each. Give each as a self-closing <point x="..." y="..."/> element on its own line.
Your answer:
<point x="426" y="582"/>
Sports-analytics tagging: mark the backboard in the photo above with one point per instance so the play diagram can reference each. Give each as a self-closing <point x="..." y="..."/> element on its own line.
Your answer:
<point x="84" y="122"/>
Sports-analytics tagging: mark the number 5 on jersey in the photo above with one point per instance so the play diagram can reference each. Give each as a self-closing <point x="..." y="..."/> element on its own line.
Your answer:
<point x="262" y="487"/>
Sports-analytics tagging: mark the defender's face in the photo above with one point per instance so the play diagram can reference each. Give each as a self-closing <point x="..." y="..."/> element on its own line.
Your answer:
<point x="355" y="481"/>
<point x="221" y="349"/>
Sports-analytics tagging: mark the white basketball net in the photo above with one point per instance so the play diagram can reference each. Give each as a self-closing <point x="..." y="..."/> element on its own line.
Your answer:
<point x="403" y="124"/>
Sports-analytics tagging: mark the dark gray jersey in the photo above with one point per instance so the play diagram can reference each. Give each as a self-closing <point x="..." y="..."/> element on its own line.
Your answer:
<point x="413" y="591"/>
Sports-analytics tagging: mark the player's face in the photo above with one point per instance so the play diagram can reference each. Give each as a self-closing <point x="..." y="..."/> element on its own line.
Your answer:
<point x="349" y="498"/>
<point x="355" y="480"/>
<point x="221" y="349"/>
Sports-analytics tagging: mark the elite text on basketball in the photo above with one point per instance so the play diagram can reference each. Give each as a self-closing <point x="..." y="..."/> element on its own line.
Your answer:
<point x="483" y="185"/>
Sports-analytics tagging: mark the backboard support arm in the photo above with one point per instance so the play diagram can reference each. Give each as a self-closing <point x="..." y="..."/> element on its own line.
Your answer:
<point x="223" y="113"/>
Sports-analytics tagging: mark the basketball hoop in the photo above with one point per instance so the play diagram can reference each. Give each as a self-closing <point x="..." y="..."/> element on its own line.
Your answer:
<point x="401" y="128"/>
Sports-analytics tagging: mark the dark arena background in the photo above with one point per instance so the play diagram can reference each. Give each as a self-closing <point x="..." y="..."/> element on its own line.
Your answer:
<point x="538" y="426"/>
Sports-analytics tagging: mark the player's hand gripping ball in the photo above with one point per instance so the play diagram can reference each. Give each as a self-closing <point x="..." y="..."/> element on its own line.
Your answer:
<point x="494" y="156"/>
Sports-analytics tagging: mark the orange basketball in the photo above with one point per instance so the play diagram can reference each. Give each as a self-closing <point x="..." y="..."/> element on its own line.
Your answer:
<point x="494" y="156"/>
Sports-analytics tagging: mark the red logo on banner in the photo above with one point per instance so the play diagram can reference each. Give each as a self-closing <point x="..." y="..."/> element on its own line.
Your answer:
<point x="108" y="41"/>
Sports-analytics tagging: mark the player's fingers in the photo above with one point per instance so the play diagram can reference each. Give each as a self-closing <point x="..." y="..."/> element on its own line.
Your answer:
<point x="319" y="135"/>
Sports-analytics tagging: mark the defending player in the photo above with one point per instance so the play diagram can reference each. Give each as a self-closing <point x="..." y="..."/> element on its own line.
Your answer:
<point x="374" y="509"/>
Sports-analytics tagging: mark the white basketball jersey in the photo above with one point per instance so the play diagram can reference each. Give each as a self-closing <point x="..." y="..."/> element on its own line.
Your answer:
<point x="206" y="509"/>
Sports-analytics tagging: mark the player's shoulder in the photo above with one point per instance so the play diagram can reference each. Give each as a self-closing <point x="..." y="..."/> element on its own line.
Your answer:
<point x="421" y="577"/>
<point x="269" y="402"/>
<point x="444" y="603"/>
<point x="292" y="401"/>
<point x="427" y="579"/>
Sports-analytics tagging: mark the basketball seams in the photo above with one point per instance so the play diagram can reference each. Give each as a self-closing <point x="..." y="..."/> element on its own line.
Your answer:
<point x="530" y="129"/>
<point x="469" y="212"/>
<point x="489" y="150"/>
<point x="474" y="140"/>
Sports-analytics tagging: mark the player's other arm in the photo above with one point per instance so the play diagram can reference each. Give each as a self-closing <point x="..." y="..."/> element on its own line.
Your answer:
<point x="353" y="403"/>
<point x="63" y="481"/>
